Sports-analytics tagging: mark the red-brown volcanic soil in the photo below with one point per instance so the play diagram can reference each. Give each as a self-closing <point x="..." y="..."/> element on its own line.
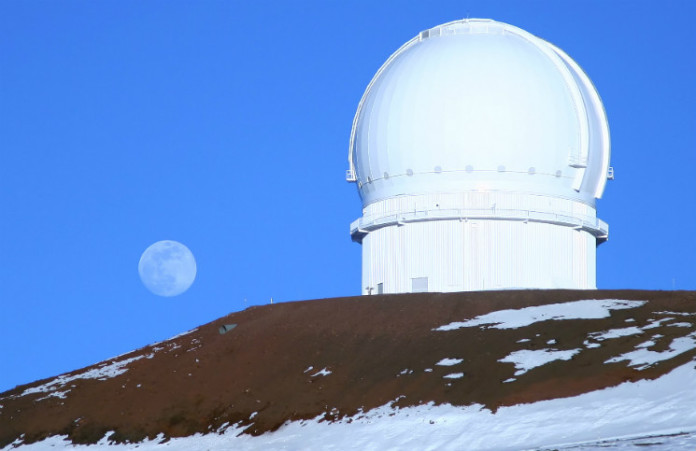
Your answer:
<point x="378" y="350"/>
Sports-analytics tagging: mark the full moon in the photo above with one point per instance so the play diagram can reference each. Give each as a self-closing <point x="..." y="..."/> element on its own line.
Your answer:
<point x="167" y="268"/>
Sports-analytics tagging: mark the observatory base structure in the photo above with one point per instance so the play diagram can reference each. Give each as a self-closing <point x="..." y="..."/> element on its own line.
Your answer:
<point x="477" y="241"/>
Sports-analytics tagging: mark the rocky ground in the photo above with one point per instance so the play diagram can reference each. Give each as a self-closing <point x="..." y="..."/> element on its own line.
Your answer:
<point x="339" y="357"/>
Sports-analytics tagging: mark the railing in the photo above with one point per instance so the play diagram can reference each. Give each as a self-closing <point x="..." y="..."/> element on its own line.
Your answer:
<point x="369" y="223"/>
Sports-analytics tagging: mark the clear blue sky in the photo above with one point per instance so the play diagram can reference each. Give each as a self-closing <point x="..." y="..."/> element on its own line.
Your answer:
<point x="225" y="125"/>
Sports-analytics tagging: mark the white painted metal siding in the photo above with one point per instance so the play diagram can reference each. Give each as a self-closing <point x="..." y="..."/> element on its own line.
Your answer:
<point x="478" y="255"/>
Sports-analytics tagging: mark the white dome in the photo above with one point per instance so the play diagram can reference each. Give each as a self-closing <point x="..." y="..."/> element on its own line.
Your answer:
<point x="479" y="105"/>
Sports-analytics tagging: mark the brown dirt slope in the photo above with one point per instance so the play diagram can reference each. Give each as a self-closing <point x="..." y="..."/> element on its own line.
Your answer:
<point x="374" y="350"/>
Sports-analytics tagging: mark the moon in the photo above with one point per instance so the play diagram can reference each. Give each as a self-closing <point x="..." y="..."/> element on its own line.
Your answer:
<point x="167" y="268"/>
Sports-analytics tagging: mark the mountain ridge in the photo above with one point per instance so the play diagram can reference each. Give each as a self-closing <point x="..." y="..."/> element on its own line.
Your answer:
<point x="337" y="358"/>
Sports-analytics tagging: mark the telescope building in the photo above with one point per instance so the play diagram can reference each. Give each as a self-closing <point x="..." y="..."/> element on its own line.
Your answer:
<point x="479" y="151"/>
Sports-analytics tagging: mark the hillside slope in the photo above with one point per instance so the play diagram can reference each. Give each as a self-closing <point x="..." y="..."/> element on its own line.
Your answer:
<point x="339" y="359"/>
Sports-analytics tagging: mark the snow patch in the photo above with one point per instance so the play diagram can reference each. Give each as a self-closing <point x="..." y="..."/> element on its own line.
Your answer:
<point x="449" y="362"/>
<point x="56" y="394"/>
<point x="527" y="359"/>
<point x="667" y="312"/>
<point x="629" y="411"/>
<point x="616" y="333"/>
<point x="681" y="325"/>
<point x="678" y="441"/>
<point x="646" y="344"/>
<point x="656" y="323"/>
<point x="453" y="376"/>
<point x="590" y="345"/>
<point x="104" y="372"/>
<point x="516" y="318"/>
<point x="643" y="358"/>
<point x="322" y="372"/>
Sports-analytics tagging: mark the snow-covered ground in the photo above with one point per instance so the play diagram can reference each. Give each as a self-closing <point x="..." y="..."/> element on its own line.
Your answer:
<point x="102" y="372"/>
<point x="515" y="318"/>
<point x="659" y="412"/>
<point x="650" y="414"/>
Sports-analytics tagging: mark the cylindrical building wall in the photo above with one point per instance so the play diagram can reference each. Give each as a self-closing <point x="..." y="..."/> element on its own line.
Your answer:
<point x="454" y="255"/>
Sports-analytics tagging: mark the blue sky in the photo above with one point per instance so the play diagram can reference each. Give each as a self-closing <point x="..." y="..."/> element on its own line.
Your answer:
<point x="225" y="126"/>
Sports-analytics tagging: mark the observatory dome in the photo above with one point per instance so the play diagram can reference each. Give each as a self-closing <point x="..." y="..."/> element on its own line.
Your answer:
<point x="479" y="151"/>
<point x="478" y="105"/>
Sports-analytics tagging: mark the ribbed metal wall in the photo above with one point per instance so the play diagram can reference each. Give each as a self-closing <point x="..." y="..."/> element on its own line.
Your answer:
<point x="478" y="255"/>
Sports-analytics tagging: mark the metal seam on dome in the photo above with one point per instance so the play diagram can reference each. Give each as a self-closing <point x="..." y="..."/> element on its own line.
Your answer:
<point x="569" y="75"/>
<point x="536" y="42"/>
<point x="598" y="109"/>
<point x="576" y="96"/>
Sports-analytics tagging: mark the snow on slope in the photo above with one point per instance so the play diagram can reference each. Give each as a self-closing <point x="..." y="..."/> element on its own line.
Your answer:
<point x="104" y="371"/>
<point x="515" y="318"/>
<point x="659" y="414"/>
<point x="642" y="358"/>
<point x="660" y="407"/>
<point x="527" y="359"/>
